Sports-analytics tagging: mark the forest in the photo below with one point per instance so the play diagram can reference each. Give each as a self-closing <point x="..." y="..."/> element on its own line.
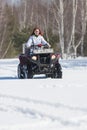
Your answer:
<point x="63" y="23"/>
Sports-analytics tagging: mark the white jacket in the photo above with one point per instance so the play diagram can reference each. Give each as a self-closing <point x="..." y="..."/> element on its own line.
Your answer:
<point x="35" y="40"/>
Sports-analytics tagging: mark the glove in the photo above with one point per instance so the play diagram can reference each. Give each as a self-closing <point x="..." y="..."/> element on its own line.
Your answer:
<point x="39" y="45"/>
<point x="48" y="45"/>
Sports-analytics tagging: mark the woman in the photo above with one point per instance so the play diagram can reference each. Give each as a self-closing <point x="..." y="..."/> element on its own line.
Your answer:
<point x="36" y="39"/>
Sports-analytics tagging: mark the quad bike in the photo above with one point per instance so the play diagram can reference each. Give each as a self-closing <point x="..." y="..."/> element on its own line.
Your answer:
<point x="39" y="60"/>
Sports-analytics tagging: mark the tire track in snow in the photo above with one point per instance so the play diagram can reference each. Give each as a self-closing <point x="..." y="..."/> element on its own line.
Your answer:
<point x="56" y="105"/>
<point x="37" y="109"/>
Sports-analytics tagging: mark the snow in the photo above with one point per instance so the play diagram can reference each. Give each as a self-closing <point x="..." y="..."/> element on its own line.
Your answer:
<point x="44" y="103"/>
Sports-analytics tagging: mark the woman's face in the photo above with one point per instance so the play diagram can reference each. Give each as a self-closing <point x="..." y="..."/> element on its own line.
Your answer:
<point x="37" y="32"/>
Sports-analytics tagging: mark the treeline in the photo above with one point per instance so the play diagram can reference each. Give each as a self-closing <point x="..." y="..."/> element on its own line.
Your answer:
<point x="63" y="22"/>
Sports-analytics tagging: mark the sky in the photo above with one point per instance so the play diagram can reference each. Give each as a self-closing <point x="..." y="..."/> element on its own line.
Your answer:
<point x="17" y="1"/>
<point x="13" y="1"/>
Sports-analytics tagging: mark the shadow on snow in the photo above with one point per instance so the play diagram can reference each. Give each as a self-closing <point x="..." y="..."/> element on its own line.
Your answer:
<point x="8" y="78"/>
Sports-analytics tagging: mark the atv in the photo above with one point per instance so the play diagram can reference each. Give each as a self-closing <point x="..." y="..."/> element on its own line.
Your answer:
<point x="39" y="60"/>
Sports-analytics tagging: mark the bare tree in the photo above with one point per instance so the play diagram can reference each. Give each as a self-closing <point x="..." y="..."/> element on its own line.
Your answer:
<point x="76" y="44"/>
<point x="67" y="19"/>
<point x="22" y="14"/>
<point x="59" y="16"/>
<point x="2" y="28"/>
<point x="83" y="22"/>
<point x="72" y="37"/>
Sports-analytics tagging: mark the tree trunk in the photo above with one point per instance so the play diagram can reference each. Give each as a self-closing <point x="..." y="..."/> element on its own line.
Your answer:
<point x="59" y="17"/>
<point x="84" y="23"/>
<point x="62" y="27"/>
<point x="72" y="39"/>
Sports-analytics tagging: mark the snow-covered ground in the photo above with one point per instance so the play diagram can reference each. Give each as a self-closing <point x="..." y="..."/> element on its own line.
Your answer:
<point x="44" y="103"/>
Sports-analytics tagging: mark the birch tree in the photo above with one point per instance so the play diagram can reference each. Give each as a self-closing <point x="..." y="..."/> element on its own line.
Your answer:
<point x="84" y="22"/>
<point x="59" y="16"/>
<point x="75" y="4"/>
<point x="72" y="37"/>
<point x="76" y="44"/>
<point x="46" y="19"/>
<point x="22" y="14"/>
<point x="2" y="28"/>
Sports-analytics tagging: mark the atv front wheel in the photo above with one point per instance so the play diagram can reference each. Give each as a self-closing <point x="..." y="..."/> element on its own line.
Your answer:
<point x="22" y="72"/>
<point x="19" y="72"/>
<point x="57" y="72"/>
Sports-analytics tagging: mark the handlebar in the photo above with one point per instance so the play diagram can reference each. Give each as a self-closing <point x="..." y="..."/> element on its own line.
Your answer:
<point x="39" y="46"/>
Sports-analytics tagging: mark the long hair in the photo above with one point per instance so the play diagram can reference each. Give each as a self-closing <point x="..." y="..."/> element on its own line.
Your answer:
<point x="40" y="32"/>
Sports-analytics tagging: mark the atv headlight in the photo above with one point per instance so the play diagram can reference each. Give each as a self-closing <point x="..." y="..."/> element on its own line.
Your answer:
<point x="34" y="58"/>
<point x="53" y="57"/>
